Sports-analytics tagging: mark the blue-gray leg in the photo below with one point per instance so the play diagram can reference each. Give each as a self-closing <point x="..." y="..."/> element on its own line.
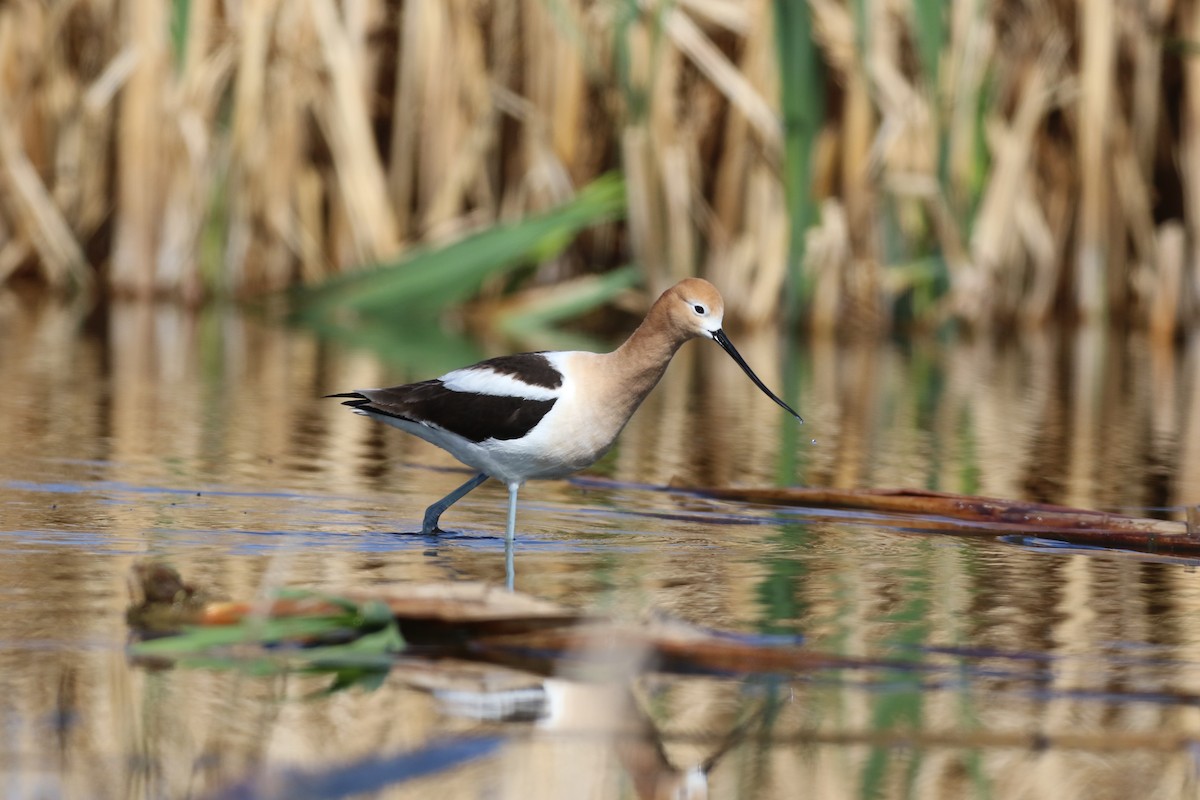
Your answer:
<point x="435" y="511"/>
<point x="510" y="536"/>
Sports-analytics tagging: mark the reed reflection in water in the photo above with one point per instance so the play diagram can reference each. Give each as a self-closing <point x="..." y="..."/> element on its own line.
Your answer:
<point x="204" y="440"/>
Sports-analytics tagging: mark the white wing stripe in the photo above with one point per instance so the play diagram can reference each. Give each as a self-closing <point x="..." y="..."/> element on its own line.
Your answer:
<point x="488" y="382"/>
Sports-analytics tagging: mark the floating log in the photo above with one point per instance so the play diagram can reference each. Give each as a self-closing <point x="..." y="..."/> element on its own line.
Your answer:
<point x="968" y="515"/>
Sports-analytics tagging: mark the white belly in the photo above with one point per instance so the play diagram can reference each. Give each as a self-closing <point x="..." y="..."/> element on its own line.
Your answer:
<point x="570" y="437"/>
<point x="552" y="449"/>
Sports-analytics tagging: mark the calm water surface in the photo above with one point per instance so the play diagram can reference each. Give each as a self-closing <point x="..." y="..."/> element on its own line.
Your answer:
<point x="204" y="441"/>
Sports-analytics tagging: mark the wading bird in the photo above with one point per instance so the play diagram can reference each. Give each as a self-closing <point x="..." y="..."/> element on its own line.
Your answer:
<point x="548" y="414"/>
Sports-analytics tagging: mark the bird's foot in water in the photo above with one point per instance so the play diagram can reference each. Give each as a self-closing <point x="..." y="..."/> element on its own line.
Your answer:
<point x="429" y="525"/>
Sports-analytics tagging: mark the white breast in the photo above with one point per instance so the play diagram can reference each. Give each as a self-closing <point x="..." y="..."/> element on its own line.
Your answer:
<point x="579" y="429"/>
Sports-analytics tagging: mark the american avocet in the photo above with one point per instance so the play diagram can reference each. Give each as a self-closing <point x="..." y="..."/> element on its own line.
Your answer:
<point x="548" y="414"/>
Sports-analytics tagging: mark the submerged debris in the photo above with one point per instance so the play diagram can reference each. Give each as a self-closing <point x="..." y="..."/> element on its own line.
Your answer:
<point x="465" y="620"/>
<point x="161" y="601"/>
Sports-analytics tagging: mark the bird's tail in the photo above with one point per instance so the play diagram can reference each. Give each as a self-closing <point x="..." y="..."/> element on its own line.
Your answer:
<point x="354" y="399"/>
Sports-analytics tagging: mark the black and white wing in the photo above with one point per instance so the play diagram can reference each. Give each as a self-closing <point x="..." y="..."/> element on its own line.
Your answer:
<point x="501" y="398"/>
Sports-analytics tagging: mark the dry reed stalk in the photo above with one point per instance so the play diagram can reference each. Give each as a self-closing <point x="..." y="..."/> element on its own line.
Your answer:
<point x="465" y="183"/>
<point x="309" y="241"/>
<point x="545" y="177"/>
<point x="1147" y="23"/>
<point x="293" y="83"/>
<point x="13" y="254"/>
<point x="1097" y="43"/>
<point x="726" y="78"/>
<point x="665" y="111"/>
<point x="488" y="110"/>
<point x="993" y="243"/>
<point x="408" y="99"/>
<point x="732" y="254"/>
<point x="683" y="109"/>
<point x="555" y="78"/>
<point x="827" y="257"/>
<point x="677" y="194"/>
<point x="971" y="50"/>
<point x="735" y="16"/>
<point x="903" y="158"/>
<point x="192" y="151"/>
<point x="1134" y="205"/>
<point x="766" y="282"/>
<point x="645" y="229"/>
<point x="139" y="150"/>
<point x="37" y="217"/>
<point x="768" y="223"/>
<point x="247" y="142"/>
<point x="346" y="121"/>
<point x="1165" y="291"/>
<point x="1189" y="147"/>
<point x="1044" y="249"/>
<point x="1020" y="273"/>
<point x="746" y="221"/>
<point x="731" y="173"/>
<point x="849" y="190"/>
<point x="62" y="259"/>
<point x="643" y="188"/>
<point x="97" y="135"/>
<point x="440" y="120"/>
<point x="753" y="267"/>
<point x="857" y="127"/>
<point x="1188" y="471"/>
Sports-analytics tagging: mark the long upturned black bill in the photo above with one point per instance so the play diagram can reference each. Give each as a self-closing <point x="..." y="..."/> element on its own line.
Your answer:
<point x="720" y="338"/>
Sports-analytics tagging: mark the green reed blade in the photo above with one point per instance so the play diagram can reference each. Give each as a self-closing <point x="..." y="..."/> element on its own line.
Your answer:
<point x="802" y="101"/>
<point x="430" y="280"/>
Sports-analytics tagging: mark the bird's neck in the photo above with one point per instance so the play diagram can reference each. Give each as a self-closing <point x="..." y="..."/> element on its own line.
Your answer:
<point x="641" y="361"/>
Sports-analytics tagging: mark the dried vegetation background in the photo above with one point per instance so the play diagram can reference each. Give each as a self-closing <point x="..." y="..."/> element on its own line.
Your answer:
<point x="996" y="161"/>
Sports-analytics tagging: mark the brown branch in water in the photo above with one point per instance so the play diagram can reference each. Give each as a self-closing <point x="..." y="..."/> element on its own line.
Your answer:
<point x="663" y="650"/>
<point x="968" y="515"/>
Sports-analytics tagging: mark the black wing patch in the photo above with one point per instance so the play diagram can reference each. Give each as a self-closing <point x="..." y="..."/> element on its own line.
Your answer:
<point x="532" y="368"/>
<point x="475" y="417"/>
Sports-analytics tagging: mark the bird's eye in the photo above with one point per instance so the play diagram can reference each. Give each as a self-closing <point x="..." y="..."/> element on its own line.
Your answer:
<point x="699" y="309"/>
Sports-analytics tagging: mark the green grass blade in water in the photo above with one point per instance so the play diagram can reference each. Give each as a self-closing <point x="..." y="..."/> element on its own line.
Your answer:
<point x="428" y="281"/>
<point x="362" y="633"/>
